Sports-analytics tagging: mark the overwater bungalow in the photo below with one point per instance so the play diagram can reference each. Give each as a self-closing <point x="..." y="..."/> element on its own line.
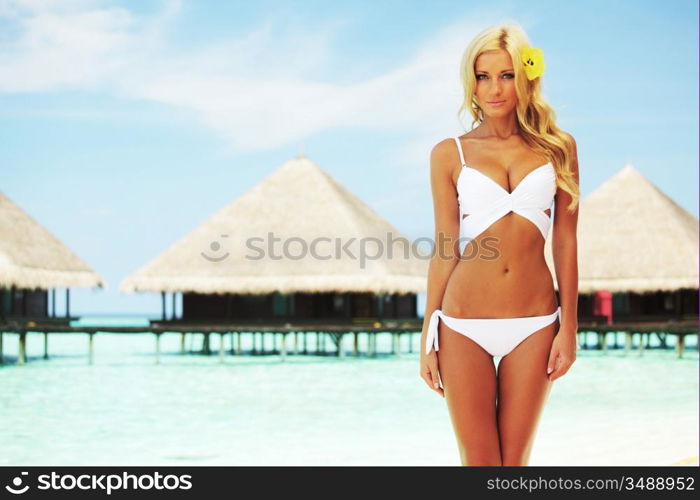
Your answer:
<point x="298" y="246"/>
<point x="33" y="265"/>
<point x="638" y="254"/>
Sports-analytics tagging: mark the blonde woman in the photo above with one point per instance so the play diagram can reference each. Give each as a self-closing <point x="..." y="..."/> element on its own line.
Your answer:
<point x="497" y="192"/>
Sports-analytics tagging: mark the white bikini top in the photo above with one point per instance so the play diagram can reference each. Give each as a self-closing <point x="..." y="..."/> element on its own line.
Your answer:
<point x="484" y="201"/>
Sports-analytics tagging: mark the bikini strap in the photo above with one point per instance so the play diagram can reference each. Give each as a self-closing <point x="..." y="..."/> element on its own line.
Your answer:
<point x="461" y="153"/>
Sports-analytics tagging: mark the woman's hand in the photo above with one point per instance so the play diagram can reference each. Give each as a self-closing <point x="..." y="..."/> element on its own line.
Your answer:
<point x="563" y="353"/>
<point x="429" y="371"/>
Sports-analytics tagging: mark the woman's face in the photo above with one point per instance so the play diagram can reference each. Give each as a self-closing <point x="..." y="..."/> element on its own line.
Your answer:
<point x="495" y="82"/>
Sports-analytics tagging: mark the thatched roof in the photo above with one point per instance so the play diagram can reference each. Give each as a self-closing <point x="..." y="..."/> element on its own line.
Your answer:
<point x="300" y="201"/>
<point x="632" y="237"/>
<point x="31" y="257"/>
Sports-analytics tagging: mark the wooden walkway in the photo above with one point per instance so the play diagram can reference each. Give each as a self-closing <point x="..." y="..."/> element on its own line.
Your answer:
<point x="636" y="336"/>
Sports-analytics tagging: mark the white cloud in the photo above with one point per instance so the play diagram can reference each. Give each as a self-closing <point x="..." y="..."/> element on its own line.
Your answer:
<point x="257" y="91"/>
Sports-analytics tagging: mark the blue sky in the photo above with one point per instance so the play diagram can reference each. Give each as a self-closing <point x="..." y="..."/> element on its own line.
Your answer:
<point x="127" y="124"/>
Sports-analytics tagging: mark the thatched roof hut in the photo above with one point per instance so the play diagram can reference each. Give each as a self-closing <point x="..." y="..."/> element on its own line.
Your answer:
<point x="33" y="258"/>
<point x="634" y="238"/>
<point x="311" y="215"/>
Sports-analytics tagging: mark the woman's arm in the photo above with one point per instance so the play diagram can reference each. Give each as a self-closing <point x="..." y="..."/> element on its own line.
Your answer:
<point x="443" y="157"/>
<point x="565" y="255"/>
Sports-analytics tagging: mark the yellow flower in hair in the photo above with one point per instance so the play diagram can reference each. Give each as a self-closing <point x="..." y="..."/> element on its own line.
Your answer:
<point x="533" y="61"/>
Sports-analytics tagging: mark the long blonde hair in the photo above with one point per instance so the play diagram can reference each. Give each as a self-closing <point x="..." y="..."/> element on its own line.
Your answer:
<point x="535" y="116"/>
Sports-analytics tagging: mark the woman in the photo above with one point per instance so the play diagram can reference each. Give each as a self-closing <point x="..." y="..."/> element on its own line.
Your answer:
<point x="494" y="296"/>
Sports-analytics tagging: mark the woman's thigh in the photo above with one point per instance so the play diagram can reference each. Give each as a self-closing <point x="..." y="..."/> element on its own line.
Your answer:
<point x="523" y="388"/>
<point x="468" y="376"/>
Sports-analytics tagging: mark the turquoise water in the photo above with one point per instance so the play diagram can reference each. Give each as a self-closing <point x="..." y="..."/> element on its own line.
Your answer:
<point x="610" y="409"/>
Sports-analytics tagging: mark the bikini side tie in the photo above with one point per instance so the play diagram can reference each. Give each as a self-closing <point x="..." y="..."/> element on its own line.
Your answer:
<point x="432" y="337"/>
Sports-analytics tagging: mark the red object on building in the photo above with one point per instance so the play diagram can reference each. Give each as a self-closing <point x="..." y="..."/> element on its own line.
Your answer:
<point x="602" y="304"/>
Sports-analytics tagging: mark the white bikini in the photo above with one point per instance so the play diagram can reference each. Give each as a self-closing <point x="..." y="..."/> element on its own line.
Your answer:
<point x="485" y="201"/>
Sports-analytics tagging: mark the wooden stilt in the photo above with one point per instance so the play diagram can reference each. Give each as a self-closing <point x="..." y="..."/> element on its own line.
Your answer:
<point x="355" y="344"/>
<point x="206" y="347"/>
<point x="46" y="345"/>
<point x="680" y="345"/>
<point x="663" y="337"/>
<point x="341" y="351"/>
<point x="221" y="347"/>
<point x="22" y="359"/>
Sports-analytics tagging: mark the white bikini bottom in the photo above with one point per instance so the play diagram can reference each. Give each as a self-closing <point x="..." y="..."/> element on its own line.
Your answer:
<point x="498" y="336"/>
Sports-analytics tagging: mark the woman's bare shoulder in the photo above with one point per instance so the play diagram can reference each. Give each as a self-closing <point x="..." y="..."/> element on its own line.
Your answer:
<point x="443" y="154"/>
<point x="574" y="154"/>
<point x="443" y="147"/>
